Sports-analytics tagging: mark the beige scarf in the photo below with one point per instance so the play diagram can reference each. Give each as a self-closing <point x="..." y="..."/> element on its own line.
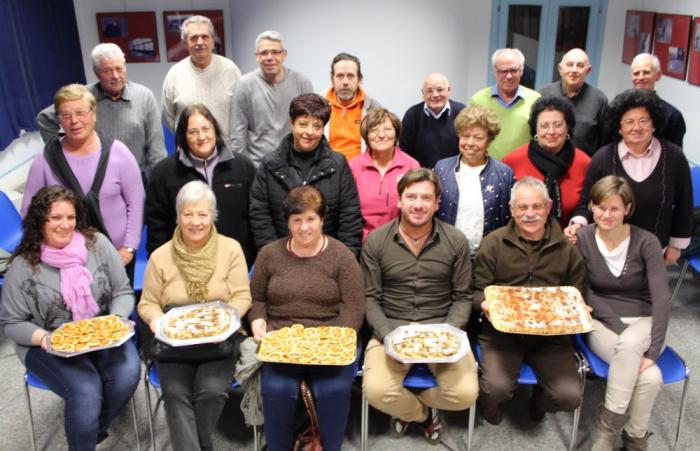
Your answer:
<point x="197" y="267"/>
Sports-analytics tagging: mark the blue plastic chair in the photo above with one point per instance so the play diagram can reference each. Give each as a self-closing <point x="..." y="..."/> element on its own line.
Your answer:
<point x="527" y="376"/>
<point x="693" y="260"/>
<point x="10" y="226"/>
<point x="419" y="377"/>
<point x="169" y="138"/>
<point x="141" y="261"/>
<point x="673" y="369"/>
<point x="30" y="380"/>
<point x="153" y="380"/>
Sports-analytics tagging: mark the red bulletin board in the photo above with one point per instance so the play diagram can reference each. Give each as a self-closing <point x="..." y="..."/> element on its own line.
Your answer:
<point x="639" y="34"/>
<point x="694" y="54"/>
<point x="172" y="20"/>
<point x="671" y="43"/>
<point x="135" y="33"/>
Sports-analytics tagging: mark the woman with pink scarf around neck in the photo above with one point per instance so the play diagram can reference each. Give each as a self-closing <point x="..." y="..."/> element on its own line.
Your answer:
<point x="63" y="270"/>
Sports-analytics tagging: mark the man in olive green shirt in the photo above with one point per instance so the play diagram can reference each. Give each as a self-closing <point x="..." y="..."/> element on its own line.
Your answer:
<point x="417" y="270"/>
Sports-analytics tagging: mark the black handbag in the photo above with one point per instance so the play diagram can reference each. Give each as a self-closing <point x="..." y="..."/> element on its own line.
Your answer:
<point x="163" y="352"/>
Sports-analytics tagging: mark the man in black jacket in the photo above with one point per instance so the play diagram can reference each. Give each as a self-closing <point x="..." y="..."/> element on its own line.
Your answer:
<point x="305" y="158"/>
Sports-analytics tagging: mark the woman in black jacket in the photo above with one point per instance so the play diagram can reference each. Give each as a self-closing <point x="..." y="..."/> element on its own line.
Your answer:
<point x="305" y="158"/>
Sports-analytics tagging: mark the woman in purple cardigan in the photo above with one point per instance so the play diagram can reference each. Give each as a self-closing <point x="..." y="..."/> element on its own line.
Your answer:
<point x="627" y="287"/>
<point x="75" y="161"/>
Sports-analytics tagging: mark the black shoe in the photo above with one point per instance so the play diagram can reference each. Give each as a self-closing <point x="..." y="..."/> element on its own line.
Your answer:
<point x="397" y="428"/>
<point x="432" y="427"/>
<point x="496" y="418"/>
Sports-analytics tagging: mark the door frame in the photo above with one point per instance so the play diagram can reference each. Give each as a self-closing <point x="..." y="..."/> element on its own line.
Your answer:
<point x="548" y="27"/>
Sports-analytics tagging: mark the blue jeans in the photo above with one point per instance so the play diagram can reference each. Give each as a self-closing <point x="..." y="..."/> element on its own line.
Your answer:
<point x="94" y="386"/>
<point x="331" y="387"/>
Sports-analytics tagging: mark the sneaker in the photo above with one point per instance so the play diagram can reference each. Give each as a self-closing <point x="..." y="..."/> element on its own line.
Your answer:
<point x="397" y="427"/>
<point x="432" y="427"/>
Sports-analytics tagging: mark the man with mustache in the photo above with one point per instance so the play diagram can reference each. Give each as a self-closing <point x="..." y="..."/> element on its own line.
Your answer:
<point x="589" y="103"/>
<point x="529" y="251"/>
<point x="349" y="104"/>
<point x="125" y="110"/>
<point x="204" y="77"/>
<point x="417" y="270"/>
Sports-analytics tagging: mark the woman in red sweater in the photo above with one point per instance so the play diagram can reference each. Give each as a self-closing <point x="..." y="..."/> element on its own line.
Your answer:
<point x="551" y="156"/>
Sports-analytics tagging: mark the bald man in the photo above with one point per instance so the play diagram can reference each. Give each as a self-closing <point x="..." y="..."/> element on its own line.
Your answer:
<point x="646" y="71"/>
<point x="510" y="100"/>
<point x="589" y="103"/>
<point x="427" y="128"/>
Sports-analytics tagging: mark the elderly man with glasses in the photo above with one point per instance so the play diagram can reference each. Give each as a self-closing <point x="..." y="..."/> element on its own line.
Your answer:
<point x="510" y="100"/>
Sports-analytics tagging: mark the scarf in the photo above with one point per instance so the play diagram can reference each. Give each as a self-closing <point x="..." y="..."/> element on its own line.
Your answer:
<point x="74" y="276"/>
<point x="552" y="168"/>
<point x="196" y="267"/>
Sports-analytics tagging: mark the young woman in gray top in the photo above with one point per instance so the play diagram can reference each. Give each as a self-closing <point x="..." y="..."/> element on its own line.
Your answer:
<point x="627" y="287"/>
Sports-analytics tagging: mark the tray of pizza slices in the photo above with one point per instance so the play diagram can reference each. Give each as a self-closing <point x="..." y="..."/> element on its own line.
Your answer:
<point x="322" y="345"/>
<point x="538" y="310"/>
<point x="88" y="335"/>
<point x="427" y="343"/>
<point x="206" y="322"/>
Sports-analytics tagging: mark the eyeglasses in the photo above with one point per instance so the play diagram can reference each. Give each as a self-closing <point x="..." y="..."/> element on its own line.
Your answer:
<point x="524" y="208"/>
<point x="80" y="114"/>
<point x="273" y="52"/>
<point x="511" y="71"/>
<point x="387" y="131"/>
<point x="643" y="122"/>
<point x="195" y="132"/>
<point x="551" y="125"/>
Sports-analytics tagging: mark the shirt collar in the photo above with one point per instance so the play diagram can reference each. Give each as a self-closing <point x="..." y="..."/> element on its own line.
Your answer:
<point x="625" y="153"/>
<point x="518" y="95"/>
<point x="430" y="113"/>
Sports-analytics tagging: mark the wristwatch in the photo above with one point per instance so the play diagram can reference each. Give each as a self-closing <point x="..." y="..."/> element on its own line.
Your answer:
<point x="131" y="250"/>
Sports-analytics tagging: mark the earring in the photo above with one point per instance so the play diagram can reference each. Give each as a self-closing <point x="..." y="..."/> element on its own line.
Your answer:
<point x="536" y="138"/>
<point x="619" y="132"/>
<point x="568" y="136"/>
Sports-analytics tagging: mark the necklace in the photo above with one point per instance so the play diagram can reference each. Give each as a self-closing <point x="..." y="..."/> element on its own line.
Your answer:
<point x="416" y="240"/>
<point x="324" y="242"/>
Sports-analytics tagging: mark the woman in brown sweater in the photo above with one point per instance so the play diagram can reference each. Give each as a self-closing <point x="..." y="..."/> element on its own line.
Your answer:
<point x="311" y="279"/>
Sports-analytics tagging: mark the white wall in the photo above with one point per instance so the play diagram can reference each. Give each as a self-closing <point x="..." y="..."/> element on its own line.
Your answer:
<point x="615" y="76"/>
<point x="398" y="41"/>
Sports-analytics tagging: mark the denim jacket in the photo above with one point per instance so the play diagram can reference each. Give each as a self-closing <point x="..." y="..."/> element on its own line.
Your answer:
<point x="496" y="182"/>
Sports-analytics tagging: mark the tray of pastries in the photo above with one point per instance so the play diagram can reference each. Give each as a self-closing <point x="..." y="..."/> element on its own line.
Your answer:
<point x="323" y="345"/>
<point x="427" y="343"/>
<point x="538" y="310"/>
<point x="193" y="324"/>
<point x="87" y="335"/>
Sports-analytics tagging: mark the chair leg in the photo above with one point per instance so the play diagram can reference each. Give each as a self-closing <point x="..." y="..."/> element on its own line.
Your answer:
<point x="681" y="276"/>
<point x="364" y="423"/>
<point x="680" y="414"/>
<point x="582" y="370"/>
<point x="256" y="439"/>
<point x="136" y="425"/>
<point x="31" y="417"/>
<point x="470" y="431"/>
<point x="146" y="386"/>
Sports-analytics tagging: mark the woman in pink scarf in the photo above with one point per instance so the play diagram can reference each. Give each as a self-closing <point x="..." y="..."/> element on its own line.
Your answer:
<point x="62" y="271"/>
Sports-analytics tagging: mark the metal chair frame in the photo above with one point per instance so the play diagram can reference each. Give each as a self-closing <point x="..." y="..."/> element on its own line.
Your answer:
<point x="528" y="377"/>
<point x="151" y="378"/>
<point x="668" y="362"/>
<point x="419" y="377"/>
<point x="31" y="380"/>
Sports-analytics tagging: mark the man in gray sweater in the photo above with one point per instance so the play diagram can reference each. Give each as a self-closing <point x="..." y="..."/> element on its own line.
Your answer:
<point x="260" y="106"/>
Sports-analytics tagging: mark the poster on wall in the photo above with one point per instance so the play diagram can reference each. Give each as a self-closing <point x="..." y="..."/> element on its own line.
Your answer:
<point x="694" y="54"/>
<point x="671" y="43"/>
<point x="172" y="20"/>
<point x="135" y="33"/>
<point x="639" y="34"/>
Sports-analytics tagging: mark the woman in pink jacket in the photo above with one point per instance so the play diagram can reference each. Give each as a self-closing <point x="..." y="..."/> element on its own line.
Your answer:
<point x="379" y="168"/>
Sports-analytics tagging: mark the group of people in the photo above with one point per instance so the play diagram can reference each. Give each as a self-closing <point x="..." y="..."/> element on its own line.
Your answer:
<point x="349" y="216"/>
